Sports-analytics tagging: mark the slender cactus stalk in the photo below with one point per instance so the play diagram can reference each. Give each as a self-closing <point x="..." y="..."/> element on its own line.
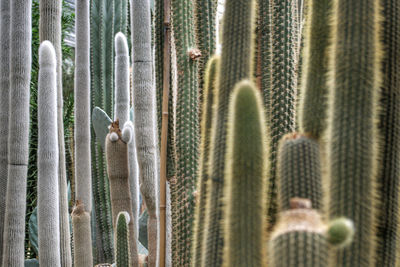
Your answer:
<point x="4" y="109"/>
<point x="18" y="148"/>
<point x="82" y="237"/>
<point x="144" y="100"/>
<point x="48" y="195"/>
<point x="122" y="240"/>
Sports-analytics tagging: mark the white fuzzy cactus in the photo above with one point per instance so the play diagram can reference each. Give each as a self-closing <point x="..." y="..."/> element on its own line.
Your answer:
<point x="82" y="237"/>
<point x="18" y="139"/>
<point x="48" y="194"/>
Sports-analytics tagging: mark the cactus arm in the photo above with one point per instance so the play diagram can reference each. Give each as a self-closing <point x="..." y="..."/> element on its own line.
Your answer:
<point x="122" y="240"/>
<point x="121" y="104"/>
<point x="82" y="237"/>
<point x="18" y="139"/>
<point x="100" y="121"/>
<point x="245" y="179"/>
<point x="48" y="195"/>
<point x="4" y="108"/>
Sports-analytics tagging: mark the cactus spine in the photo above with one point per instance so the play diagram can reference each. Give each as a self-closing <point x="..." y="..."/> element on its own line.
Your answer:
<point x="236" y="65"/>
<point x="284" y="40"/>
<point x="245" y="179"/>
<point x="122" y="240"/>
<point x="352" y="152"/>
<point x="313" y="109"/>
<point x="4" y="108"/>
<point x="82" y="236"/>
<point x="206" y="123"/>
<point x="389" y="126"/>
<point x="20" y="70"/>
<point x="145" y="120"/>
<point x="299" y="171"/>
<point x="48" y="194"/>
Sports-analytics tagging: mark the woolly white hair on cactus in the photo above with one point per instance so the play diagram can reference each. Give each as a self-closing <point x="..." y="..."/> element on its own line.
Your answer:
<point x="113" y="137"/>
<point x="127" y="132"/>
<point x="48" y="191"/>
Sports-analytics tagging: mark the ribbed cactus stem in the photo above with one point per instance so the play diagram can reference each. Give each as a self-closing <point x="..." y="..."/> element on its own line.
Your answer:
<point x="314" y="86"/>
<point x="236" y="65"/>
<point x="299" y="171"/>
<point x="245" y="179"/>
<point x="122" y="240"/>
<point x="82" y="236"/>
<point x="4" y="108"/>
<point x="210" y="92"/>
<point x="298" y="239"/>
<point x="352" y="152"/>
<point x="18" y="139"/>
<point x="388" y="243"/>
<point x="144" y="100"/>
<point x="48" y="196"/>
<point x="118" y="173"/>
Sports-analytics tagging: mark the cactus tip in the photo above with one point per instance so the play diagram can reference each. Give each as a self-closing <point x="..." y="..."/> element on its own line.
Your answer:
<point x="47" y="54"/>
<point x="126" y="215"/>
<point x="340" y="232"/>
<point x="121" y="44"/>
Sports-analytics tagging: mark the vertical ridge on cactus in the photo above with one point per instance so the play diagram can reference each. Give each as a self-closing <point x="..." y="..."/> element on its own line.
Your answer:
<point x="122" y="233"/>
<point x="82" y="236"/>
<point x="236" y="65"/>
<point x="4" y="109"/>
<point x="20" y="71"/>
<point x="352" y="148"/>
<point x="245" y="179"/>
<point x="48" y="159"/>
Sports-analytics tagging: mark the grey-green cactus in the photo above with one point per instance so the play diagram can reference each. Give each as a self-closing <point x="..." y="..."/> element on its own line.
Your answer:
<point x="4" y="108"/>
<point x="236" y="65"/>
<point x="245" y="179"/>
<point x="82" y="237"/>
<point x="122" y="257"/>
<point x="48" y="159"/>
<point x="352" y="150"/>
<point x="20" y="70"/>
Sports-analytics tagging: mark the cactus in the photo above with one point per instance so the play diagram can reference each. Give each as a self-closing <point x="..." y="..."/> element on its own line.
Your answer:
<point x="82" y="237"/>
<point x="236" y="64"/>
<point x="145" y="120"/>
<point x="122" y="240"/>
<point x="102" y="41"/>
<point x="210" y="92"/>
<point x="20" y="70"/>
<point x="4" y="108"/>
<point x="48" y="194"/>
<point x="118" y="173"/>
<point x="314" y="86"/>
<point x="340" y="232"/>
<point x="285" y="45"/>
<point x="121" y="16"/>
<point x="352" y="153"/>
<point x="245" y="179"/>
<point x="298" y="239"/>
<point x="299" y="171"/>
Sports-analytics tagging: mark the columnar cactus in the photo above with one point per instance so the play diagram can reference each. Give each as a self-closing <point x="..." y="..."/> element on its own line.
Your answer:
<point x="82" y="236"/>
<point x="4" y="108"/>
<point x="210" y="92"/>
<point x="144" y="100"/>
<point x="299" y="171"/>
<point x="314" y="86"/>
<point x="282" y="115"/>
<point x="20" y="73"/>
<point x="122" y="257"/>
<point x="245" y="179"/>
<point x="48" y="190"/>
<point x="389" y="127"/>
<point x="352" y="152"/>
<point x="236" y="65"/>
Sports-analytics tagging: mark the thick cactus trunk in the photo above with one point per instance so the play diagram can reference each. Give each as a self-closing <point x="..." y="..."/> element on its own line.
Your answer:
<point x="353" y="130"/>
<point x="82" y="236"/>
<point x="48" y="190"/>
<point x="20" y="73"/>
<point x="4" y="109"/>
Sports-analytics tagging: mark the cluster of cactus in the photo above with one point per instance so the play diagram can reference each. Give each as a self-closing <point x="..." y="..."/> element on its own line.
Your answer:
<point x="241" y="182"/>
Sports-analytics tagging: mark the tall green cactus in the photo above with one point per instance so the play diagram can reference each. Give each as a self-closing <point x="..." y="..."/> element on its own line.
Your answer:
<point x="186" y="130"/>
<point x="210" y="92"/>
<point x="245" y="179"/>
<point x="4" y="108"/>
<point x="236" y="65"/>
<point x="48" y="159"/>
<point x="285" y="46"/>
<point x="82" y="236"/>
<point x="20" y="73"/>
<point x="389" y="127"/>
<point x="122" y="257"/>
<point x="314" y="86"/>
<point x="299" y="171"/>
<point x="352" y="151"/>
